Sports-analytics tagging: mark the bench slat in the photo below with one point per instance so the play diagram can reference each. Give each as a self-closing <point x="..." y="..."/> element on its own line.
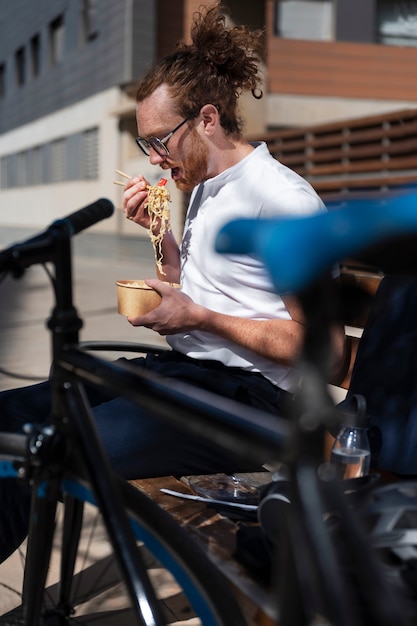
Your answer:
<point x="217" y="537"/>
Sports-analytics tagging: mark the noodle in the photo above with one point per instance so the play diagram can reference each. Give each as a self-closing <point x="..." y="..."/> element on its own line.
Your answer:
<point x="160" y="215"/>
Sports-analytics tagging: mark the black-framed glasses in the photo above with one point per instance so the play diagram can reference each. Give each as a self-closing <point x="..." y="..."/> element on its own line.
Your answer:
<point x="159" y="145"/>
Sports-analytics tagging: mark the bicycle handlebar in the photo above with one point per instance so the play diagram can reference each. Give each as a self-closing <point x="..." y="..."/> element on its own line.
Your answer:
<point x="298" y="250"/>
<point x="37" y="248"/>
<point x="86" y="217"/>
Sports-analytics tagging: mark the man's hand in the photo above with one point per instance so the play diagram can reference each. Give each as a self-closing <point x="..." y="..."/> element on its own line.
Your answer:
<point x="176" y="313"/>
<point x="135" y="197"/>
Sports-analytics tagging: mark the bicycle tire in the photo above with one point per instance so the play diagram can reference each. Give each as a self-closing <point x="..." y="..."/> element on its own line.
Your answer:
<point x="96" y="589"/>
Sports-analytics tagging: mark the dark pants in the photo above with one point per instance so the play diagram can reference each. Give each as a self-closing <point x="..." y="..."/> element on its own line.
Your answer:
<point x="138" y="445"/>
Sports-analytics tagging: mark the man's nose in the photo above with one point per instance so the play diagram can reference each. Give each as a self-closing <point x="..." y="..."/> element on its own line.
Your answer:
<point x="155" y="158"/>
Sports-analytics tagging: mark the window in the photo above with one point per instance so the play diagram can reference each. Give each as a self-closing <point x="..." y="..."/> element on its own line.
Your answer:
<point x="20" y="67"/>
<point x="3" y="173"/>
<point x="9" y="170"/>
<point x="90" y="154"/>
<point x="56" y="40"/>
<point x="58" y="162"/>
<point x="90" y="19"/>
<point x="35" y="55"/>
<point x="397" y="22"/>
<point x="36" y="166"/>
<point x="304" y="19"/>
<point x="2" y="80"/>
<point x="21" y="174"/>
<point x="74" y="157"/>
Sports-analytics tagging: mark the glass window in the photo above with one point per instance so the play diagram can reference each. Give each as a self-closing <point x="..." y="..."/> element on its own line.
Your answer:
<point x="74" y="157"/>
<point x="35" y="55"/>
<point x="305" y="19"/>
<point x="90" y="15"/>
<point x="58" y="161"/>
<point x="9" y="171"/>
<point x="36" y="166"/>
<point x="20" y="67"/>
<point x="56" y="40"/>
<point x="21" y="169"/>
<point x="2" y="80"/>
<point x="397" y="22"/>
<point x="3" y="173"/>
<point x="90" y="154"/>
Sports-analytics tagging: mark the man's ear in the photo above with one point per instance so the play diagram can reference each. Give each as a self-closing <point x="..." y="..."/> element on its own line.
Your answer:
<point x="211" y="118"/>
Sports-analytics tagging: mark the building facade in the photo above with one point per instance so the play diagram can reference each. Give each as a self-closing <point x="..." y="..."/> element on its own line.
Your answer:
<point x="66" y="68"/>
<point x="330" y="60"/>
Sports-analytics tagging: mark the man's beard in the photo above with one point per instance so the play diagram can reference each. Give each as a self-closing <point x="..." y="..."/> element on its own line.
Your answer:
<point x="195" y="165"/>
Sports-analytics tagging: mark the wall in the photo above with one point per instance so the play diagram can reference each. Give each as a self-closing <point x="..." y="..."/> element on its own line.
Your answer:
<point x="120" y="49"/>
<point x="341" y="69"/>
<point x="36" y="206"/>
<point x="319" y="81"/>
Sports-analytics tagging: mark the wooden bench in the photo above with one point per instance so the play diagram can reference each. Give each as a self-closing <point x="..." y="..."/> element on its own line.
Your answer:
<point x="216" y="534"/>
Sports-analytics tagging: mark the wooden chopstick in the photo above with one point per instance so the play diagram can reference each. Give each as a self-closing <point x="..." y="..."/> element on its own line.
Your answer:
<point x="122" y="174"/>
<point x="118" y="182"/>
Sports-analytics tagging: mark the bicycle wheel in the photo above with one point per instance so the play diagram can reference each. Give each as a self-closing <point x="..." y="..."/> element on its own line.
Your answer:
<point x="190" y="588"/>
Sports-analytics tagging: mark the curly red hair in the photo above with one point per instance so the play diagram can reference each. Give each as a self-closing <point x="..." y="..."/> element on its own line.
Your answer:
<point x="218" y="65"/>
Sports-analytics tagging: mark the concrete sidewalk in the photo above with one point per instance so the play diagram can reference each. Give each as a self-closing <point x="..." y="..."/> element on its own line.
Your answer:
<point x="26" y="305"/>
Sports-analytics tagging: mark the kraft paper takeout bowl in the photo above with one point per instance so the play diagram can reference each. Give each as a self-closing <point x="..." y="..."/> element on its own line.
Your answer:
<point x="135" y="297"/>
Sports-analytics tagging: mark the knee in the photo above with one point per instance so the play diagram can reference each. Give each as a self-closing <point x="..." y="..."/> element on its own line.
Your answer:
<point x="20" y="406"/>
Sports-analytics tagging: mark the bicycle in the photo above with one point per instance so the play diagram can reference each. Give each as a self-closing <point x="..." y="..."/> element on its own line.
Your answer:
<point x="77" y="477"/>
<point x="299" y="254"/>
<point x="63" y="462"/>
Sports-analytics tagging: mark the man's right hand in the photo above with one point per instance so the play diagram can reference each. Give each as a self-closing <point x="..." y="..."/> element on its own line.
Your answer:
<point x="135" y="196"/>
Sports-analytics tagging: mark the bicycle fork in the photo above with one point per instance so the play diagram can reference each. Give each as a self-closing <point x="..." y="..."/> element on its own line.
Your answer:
<point x="146" y="606"/>
<point x="43" y="446"/>
<point x="42" y="525"/>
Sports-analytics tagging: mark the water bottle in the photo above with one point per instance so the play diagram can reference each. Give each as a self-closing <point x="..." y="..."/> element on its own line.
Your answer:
<point x="351" y="453"/>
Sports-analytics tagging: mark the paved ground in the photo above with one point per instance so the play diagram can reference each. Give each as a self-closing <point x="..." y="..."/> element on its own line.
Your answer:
<point x="27" y="303"/>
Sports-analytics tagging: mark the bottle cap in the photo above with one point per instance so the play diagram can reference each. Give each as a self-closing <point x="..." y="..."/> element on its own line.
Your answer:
<point x="355" y="412"/>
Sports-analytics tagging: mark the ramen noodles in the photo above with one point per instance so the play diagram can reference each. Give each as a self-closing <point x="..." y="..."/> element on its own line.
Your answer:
<point x="160" y="216"/>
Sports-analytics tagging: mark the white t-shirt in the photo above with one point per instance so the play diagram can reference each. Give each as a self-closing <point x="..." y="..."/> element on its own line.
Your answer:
<point x="239" y="285"/>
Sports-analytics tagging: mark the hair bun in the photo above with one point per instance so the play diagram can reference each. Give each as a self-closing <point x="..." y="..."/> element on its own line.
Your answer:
<point x="219" y="64"/>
